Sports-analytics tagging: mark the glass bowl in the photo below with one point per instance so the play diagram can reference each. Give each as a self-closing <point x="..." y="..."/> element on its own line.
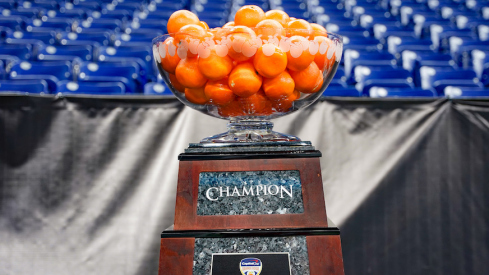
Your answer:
<point x="248" y="76"/>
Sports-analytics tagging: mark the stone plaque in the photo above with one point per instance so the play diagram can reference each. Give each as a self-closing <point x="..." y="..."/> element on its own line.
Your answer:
<point x="250" y="193"/>
<point x="294" y="246"/>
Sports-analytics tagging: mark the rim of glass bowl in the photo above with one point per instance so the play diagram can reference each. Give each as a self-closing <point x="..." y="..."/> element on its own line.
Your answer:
<point x="300" y="103"/>
<point x="159" y="38"/>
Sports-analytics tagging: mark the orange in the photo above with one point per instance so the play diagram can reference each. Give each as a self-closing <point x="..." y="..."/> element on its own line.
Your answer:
<point x="218" y="92"/>
<point x="203" y="25"/>
<point x="308" y="80"/>
<point x="177" y="85"/>
<point x="243" y="40"/>
<point x="215" y="67"/>
<point x="318" y="29"/>
<point x="192" y="35"/>
<point x="270" y="60"/>
<point x="188" y="73"/>
<point x="279" y="16"/>
<point x="244" y="81"/>
<point x="255" y="104"/>
<point x="321" y="58"/>
<point x="269" y="28"/>
<point x="279" y="87"/>
<point x="249" y="16"/>
<point x="220" y="33"/>
<point x="170" y="60"/>
<point x="233" y="109"/>
<point x="229" y="24"/>
<point x="196" y="95"/>
<point x="179" y="19"/>
<point x="298" y="27"/>
<point x="298" y="56"/>
<point x="285" y="104"/>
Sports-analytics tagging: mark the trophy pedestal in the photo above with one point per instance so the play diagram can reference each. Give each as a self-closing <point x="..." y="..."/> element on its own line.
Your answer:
<point x="250" y="207"/>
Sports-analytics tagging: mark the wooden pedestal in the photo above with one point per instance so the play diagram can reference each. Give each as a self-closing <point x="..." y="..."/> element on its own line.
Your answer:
<point x="177" y="254"/>
<point x="323" y="245"/>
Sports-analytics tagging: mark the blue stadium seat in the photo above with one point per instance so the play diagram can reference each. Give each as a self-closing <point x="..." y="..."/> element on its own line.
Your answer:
<point x="24" y="86"/>
<point x="141" y="55"/>
<point x="51" y="72"/>
<point x="483" y="31"/>
<point x="93" y="88"/>
<point x="121" y="15"/>
<point x="108" y="24"/>
<point x="155" y="88"/>
<point x="438" y="78"/>
<point x="480" y="63"/>
<point x="157" y="24"/>
<point x="338" y="18"/>
<point x="7" y="4"/>
<point x="396" y="45"/>
<point x="405" y="9"/>
<point x="362" y="43"/>
<point x="469" y="22"/>
<point x="47" y="37"/>
<point x="27" y="13"/>
<point x="368" y="21"/>
<point x="86" y="37"/>
<point x="412" y="61"/>
<point x="376" y="92"/>
<point x="122" y="38"/>
<point x="12" y="22"/>
<point x="382" y="31"/>
<point x="123" y="72"/>
<point x="455" y="91"/>
<point x="346" y="29"/>
<point x="64" y="53"/>
<point x="449" y="11"/>
<point x="45" y="4"/>
<point x="64" y="13"/>
<point x="367" y="77"/>
<point x="127" y="6"/>
<point x="8" y="60"/>
<point x="33" y="43"/>
<point x="2" y="70"/>
<point x="444" y="36"/>
<point x="341" y="91"/>
<point x="88" y="5"/>
<point x="23" y="52"/>
<point x="60" y="24"/>
<point x="460" y="46"/>
<point x="355" y="58"/>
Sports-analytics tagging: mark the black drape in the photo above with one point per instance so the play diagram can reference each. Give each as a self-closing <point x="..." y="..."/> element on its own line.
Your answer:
<point x="88" y="183"/>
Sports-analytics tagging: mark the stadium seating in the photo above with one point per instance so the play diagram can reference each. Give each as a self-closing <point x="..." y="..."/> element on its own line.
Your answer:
<point x="23" y="86"/>
<point x="156" y="88"/>
<point x="96" y="88"/>
<point x="437" y="78"/>
<point x="455" y="91"/>
<point x="51" y="72"/>
<point x="126" y="73"/>
<point x="376" y="91"/>
<point x="429" y="46"/>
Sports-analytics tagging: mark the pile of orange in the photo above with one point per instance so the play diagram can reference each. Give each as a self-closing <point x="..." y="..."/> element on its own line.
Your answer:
<point x="255" y="66"/>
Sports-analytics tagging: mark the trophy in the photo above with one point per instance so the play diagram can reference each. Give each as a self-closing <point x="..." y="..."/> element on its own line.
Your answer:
<point x="249" y="201"/>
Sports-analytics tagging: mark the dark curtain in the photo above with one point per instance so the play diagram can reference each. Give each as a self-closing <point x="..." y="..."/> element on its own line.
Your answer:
<point x="87" y="183"/>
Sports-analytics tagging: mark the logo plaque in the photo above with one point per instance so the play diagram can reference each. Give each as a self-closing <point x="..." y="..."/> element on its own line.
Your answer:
<point x="274" y="263"/>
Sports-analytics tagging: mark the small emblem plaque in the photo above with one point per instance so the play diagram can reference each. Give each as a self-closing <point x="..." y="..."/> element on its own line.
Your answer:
<point x="250" y="264"/>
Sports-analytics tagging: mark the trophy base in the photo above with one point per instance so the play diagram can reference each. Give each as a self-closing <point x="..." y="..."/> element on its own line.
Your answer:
<point x="249" y="131"/>
<point x="305" y="251"/>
